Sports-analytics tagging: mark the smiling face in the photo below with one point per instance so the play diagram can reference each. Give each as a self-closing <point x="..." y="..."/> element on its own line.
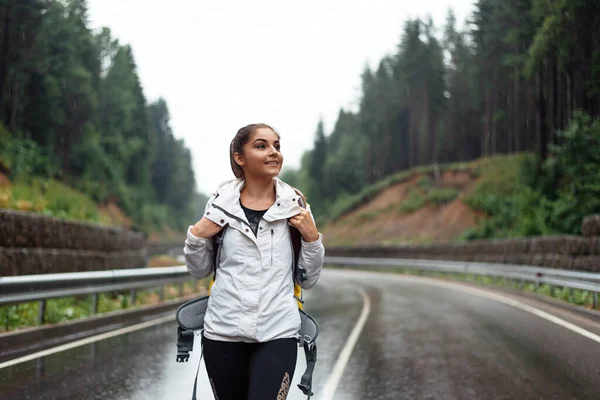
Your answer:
<point x="261" y="156"/>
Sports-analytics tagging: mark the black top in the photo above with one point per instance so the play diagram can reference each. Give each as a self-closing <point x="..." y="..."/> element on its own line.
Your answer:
<point x="253" y="217"/>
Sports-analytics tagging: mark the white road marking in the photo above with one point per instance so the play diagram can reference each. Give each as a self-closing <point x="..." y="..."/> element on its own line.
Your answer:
<point x="88" y="340"/>
<point x="532" y="310"/>
<point x="338" y="370"/>
<point x="501" y="299"/>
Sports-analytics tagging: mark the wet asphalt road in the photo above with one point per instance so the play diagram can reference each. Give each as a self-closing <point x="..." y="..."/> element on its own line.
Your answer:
<point x="420" y="341"/>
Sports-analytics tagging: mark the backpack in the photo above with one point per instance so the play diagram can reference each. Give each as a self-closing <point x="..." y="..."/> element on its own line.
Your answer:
<point x="190" y="315"/>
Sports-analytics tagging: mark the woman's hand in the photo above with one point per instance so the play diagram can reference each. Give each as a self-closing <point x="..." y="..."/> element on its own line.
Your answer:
<point x="305" y="224"/>
<point x="205" y="228"/>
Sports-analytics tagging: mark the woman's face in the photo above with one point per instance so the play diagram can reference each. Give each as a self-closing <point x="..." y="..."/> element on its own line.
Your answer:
<point x="262" y="154"/>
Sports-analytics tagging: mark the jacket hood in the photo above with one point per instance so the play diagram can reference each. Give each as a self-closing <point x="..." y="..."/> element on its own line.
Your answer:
<point x="227" y="197"/>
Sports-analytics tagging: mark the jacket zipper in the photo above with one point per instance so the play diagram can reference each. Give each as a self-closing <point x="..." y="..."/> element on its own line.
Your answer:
<point x="272" y="234"/>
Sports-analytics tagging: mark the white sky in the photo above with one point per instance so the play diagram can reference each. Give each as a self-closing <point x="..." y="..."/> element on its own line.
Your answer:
<point x="221" y="65"/>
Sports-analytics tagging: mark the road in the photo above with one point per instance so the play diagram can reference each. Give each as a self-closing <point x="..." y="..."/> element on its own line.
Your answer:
<point x="423" y="339"/>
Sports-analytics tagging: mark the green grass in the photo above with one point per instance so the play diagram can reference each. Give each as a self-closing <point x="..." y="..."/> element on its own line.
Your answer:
<point x="72" y="308"/>
<point x="512" y="207"/>
<point x="50" y="198"/>
<point x="425" y="182"/>
<point x="417" y="199"/>
<point x="500" y="177"/>
<point x="441" y="196"/>
<point x="364" y="217"/>
<point x="413" y="202"/>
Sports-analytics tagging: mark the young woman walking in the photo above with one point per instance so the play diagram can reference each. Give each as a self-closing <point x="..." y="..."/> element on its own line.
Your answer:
<point x="252" y="321"/>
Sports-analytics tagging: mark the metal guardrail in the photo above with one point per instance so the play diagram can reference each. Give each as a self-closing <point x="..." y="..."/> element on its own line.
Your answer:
<point x="21" y="289"/>
<point x="587" y="281"/>
<point x="29" y="288"/>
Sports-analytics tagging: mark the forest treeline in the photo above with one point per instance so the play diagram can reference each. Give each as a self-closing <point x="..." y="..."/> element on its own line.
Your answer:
<point x="521" y="76"/>
<point x="509" y="82"/>
<point x="72" y="108"/>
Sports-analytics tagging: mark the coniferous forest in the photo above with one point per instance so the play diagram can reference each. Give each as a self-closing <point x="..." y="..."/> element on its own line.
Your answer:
<point x="521" y="76"/>
<point x="72" y="108"/>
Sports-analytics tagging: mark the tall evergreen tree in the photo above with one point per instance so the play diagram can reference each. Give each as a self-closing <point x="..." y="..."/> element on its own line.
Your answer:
<point x="317" y="165"/>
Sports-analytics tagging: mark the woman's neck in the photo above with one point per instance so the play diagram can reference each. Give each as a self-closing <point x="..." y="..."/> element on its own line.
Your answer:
<point x="258" y="192"/>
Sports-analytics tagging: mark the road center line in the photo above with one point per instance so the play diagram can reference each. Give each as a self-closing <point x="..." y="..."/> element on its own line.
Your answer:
<point x="344" y="357"/>
<point x="91" y="339"/>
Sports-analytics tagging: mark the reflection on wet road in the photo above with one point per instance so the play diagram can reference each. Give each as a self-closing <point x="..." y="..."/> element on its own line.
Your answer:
<point x="421" y="341"/>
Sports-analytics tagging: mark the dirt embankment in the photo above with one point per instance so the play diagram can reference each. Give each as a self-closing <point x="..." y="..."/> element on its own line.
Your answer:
<point x="380" y="221"/>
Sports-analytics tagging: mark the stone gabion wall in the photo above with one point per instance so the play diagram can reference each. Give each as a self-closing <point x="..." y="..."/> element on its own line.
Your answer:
<point x="565" y="251"/>
<point x="35" y="244"/>
<point x="155" y="248"/>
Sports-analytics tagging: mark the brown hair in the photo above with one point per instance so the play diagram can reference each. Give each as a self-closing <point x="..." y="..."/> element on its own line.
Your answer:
<point x="239" y="141"/>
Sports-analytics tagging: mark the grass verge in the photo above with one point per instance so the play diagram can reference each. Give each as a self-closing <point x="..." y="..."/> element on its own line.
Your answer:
<point x="23" y="315"/>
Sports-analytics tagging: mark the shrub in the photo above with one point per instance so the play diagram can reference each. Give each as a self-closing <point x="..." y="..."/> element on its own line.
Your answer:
<point x="413" y="202"/>
<point x="25" y="158"/>
<point x="442" y="195"/>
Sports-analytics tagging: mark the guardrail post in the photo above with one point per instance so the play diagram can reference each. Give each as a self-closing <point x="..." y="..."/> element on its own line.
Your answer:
<point x="595" y="300"/>
<point x="161" y="292"/>
<point x="94" y="303"/>
<point x="132" y="294"/>
<point x="571" y="292"/>
<point x="42" y="312"/>
<point x="181" y="289"/>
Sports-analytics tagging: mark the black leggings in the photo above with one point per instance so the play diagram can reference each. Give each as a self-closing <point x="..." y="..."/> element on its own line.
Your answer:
<point x="250" y="371"/>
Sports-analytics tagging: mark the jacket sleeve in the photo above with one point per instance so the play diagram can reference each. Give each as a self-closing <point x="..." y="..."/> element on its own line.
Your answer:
<point x="311" y="259"/>
<point x="199" y="253"/>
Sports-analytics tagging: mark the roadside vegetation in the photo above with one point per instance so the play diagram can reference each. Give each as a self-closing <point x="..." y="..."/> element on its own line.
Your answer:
<point x="576" y="297"/>
<point x="65" y="309"/>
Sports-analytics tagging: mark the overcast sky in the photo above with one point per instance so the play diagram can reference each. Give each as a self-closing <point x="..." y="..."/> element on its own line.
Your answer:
<point x="221" y="65"/>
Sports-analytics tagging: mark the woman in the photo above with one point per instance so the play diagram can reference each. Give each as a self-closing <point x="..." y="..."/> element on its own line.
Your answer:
<point x="252" y="322"/>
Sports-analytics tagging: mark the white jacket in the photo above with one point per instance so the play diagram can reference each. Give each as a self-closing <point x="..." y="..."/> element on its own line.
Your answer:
<point x="252" y="298"/>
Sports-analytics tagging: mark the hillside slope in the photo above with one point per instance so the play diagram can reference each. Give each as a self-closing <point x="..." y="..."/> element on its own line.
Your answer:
<point x="425" y="206"/>
<point x="57" y="199"/>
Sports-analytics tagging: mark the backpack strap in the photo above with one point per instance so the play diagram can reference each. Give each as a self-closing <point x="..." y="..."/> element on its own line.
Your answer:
<point x="198" y="371"/>
<point x="310" y="348"/>
<point x="217" y="241"/>
<point x="299" y="273"/>
<point x="310" y="352"/>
